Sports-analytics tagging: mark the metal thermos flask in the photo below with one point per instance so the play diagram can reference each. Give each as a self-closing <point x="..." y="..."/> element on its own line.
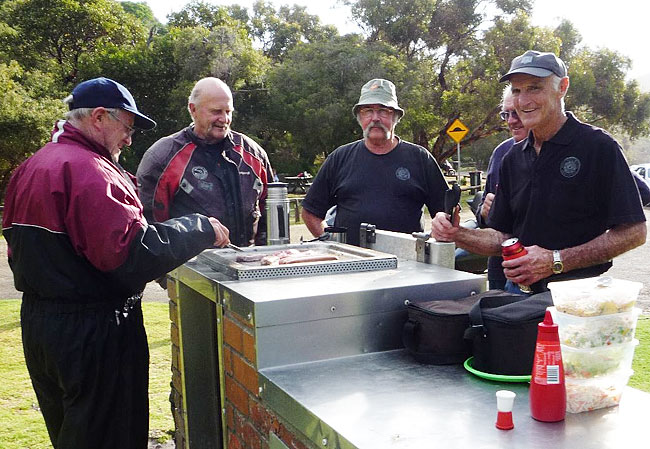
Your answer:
<point x="277" y="214"/>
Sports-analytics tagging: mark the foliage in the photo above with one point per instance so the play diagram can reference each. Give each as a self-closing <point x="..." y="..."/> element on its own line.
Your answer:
<point x="295" y="80"/>
<point x="26" y="115"/>
<point x="602" y="96"/>
<point x="55" y="35"/>
<point x="200" y="13"/>
<point x="22" y="422"/>
<point x="282" y="31"/>
<point x="162" y="73"/>
<point x="311" y="95"/>
<point x="143" y="13"/>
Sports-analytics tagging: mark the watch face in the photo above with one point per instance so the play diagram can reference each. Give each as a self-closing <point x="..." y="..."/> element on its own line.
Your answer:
<point x="557" y="267"/>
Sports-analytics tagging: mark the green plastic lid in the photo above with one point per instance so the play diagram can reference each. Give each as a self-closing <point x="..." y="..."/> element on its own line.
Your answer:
<point x="494" y="377"/>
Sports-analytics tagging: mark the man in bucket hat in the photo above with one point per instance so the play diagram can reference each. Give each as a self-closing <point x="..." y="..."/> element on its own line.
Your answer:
<point x="81" y="252"/>
<point x="381" y="179"/>
<point x="565" y="191"/>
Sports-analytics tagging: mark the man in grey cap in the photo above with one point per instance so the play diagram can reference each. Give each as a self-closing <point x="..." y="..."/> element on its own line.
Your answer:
<point x="381" y="179"/>
<point x="565" y="191"/>
<point x="81" y="252"/>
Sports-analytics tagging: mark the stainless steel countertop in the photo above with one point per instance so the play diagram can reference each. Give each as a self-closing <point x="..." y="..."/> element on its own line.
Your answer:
<point x="307" y="298"/>
<point x="299" y="299"/>
<point x="387" y="400"/>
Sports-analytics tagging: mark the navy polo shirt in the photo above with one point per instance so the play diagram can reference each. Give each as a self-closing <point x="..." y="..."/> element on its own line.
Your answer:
<point x="578" y="187"/>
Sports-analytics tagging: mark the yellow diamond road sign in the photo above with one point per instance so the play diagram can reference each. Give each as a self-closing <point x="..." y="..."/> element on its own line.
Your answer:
<point x="457" y="131"/>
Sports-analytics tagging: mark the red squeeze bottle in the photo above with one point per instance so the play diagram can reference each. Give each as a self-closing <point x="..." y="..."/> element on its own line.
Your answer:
<point x="547" y="389"/>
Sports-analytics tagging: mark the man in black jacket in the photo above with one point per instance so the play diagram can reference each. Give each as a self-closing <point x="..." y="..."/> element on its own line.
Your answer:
<point x="565" y="191"/>
<point x="208" y="168"/>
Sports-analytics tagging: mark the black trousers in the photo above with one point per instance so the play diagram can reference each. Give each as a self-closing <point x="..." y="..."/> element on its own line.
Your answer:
<point x="89" y="366"/>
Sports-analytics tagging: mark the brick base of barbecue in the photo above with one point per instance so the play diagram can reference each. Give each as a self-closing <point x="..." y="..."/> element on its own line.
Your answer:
<point x="248" y="420"/>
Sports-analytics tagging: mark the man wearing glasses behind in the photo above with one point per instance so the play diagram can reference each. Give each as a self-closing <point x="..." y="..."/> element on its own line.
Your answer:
<point x="380" y="179"/>
<point x="496" y="278"/>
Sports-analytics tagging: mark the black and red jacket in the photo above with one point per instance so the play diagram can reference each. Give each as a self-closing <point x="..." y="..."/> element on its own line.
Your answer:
<point x="179" y="174"/>
<point x="75" y="228"/>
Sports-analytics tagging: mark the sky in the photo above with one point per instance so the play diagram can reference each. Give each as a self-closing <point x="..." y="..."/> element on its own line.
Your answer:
<point x="617" y="25"/>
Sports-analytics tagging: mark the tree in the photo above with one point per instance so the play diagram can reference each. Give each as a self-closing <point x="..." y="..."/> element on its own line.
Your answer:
<point x="601" y="96"/>
<point x="161" y="75"/>
<point x="199" y="13"/>
<point x="142" y="12"/>
<point x="54" y="36"/>
<point x="278" y="32"/>
<point x="445" y="44"/>
<point x="27" y="114"/>
<point x="312" y="93"/>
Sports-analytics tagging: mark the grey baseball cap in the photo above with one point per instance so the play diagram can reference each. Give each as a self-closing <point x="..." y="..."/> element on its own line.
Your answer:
<point x="537" y="64"/>
<point x="378" y="91"/>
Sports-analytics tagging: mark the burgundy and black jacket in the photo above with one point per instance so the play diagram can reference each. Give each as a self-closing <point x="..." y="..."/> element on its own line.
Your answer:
<point x="75" y="228"/>
<point x="181" y="173"/>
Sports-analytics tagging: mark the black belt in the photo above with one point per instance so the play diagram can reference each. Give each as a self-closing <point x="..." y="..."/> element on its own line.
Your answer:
<point x="64" y="305"/>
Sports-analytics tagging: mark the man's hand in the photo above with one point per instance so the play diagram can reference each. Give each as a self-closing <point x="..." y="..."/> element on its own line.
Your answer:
<point x="442" y="229"/>
<point x="221" y="233"/>
<point x="487" y="205"/>
<point x="532" y="267"/>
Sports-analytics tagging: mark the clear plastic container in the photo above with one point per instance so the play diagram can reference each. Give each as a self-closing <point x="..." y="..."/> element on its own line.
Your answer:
<point x="592" y="332"/>
<point x="583" y="395"/>
<point x="585" y="363"/>
<point x="594" y="296"/>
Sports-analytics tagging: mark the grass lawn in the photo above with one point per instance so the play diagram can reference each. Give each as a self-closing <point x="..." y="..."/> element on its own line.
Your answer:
<point x="22" y="423"/>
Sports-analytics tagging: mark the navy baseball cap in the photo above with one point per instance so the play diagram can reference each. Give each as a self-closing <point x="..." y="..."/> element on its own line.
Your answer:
<point x="107" y="93"/>
<point x="537" y="64"/>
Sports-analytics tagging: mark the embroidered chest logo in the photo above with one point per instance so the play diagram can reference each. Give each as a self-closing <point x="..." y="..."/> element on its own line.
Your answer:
<point x="570" y="167"/>
<point x="403" y="174"/>
<point x="200" y="172"/>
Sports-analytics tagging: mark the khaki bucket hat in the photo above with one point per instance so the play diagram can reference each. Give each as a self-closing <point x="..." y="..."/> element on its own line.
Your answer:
<point x="378" y="91"/>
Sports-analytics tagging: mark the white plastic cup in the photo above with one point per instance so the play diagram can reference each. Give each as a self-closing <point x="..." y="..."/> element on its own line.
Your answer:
<point x="505" y="400"/>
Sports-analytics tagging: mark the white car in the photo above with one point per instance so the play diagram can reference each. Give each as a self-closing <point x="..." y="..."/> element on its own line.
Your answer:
<point x="642" y="170"/>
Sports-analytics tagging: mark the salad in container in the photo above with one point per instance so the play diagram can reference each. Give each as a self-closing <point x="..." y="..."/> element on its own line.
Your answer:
<point x="594" y="296"/>
<point x="585" y="363"/>
<point x="592" y="332"/>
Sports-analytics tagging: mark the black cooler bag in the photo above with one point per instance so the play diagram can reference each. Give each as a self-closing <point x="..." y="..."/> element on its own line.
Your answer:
<point x="434" y="330"/>
<point x="503" y="332"/>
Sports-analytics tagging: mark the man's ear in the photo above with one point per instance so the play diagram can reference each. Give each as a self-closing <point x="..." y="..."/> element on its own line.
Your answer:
<point x="564" y="85"/>
<point x="98" y="114"/>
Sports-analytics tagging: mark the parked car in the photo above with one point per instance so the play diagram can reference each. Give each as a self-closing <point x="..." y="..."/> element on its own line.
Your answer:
<point x="447" y="168"/>
<point x="642" y="170"/>
<point x="641" y="173"/>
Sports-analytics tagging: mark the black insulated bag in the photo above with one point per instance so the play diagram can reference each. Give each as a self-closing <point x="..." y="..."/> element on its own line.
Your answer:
<point x="434" y="331"/>
<point x="503" y="332"/>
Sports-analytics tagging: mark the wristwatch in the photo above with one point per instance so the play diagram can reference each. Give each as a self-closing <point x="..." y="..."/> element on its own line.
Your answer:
<point x="558" y="266"/>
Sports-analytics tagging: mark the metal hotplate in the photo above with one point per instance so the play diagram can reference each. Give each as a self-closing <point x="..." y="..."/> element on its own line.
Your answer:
<point x="350" y="259"/>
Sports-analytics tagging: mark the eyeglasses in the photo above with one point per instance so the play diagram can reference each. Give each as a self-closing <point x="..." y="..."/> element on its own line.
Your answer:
<point x="131" y="129"/>
<point x="505" y="115"/>
<point x="382" y="112"/>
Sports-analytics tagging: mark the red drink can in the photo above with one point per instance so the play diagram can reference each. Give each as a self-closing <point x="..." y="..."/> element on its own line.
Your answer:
<point x="513" y="249"/>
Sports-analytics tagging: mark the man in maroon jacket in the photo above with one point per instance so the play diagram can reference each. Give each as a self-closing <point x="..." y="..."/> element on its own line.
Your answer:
<point x="81" y="252"/>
